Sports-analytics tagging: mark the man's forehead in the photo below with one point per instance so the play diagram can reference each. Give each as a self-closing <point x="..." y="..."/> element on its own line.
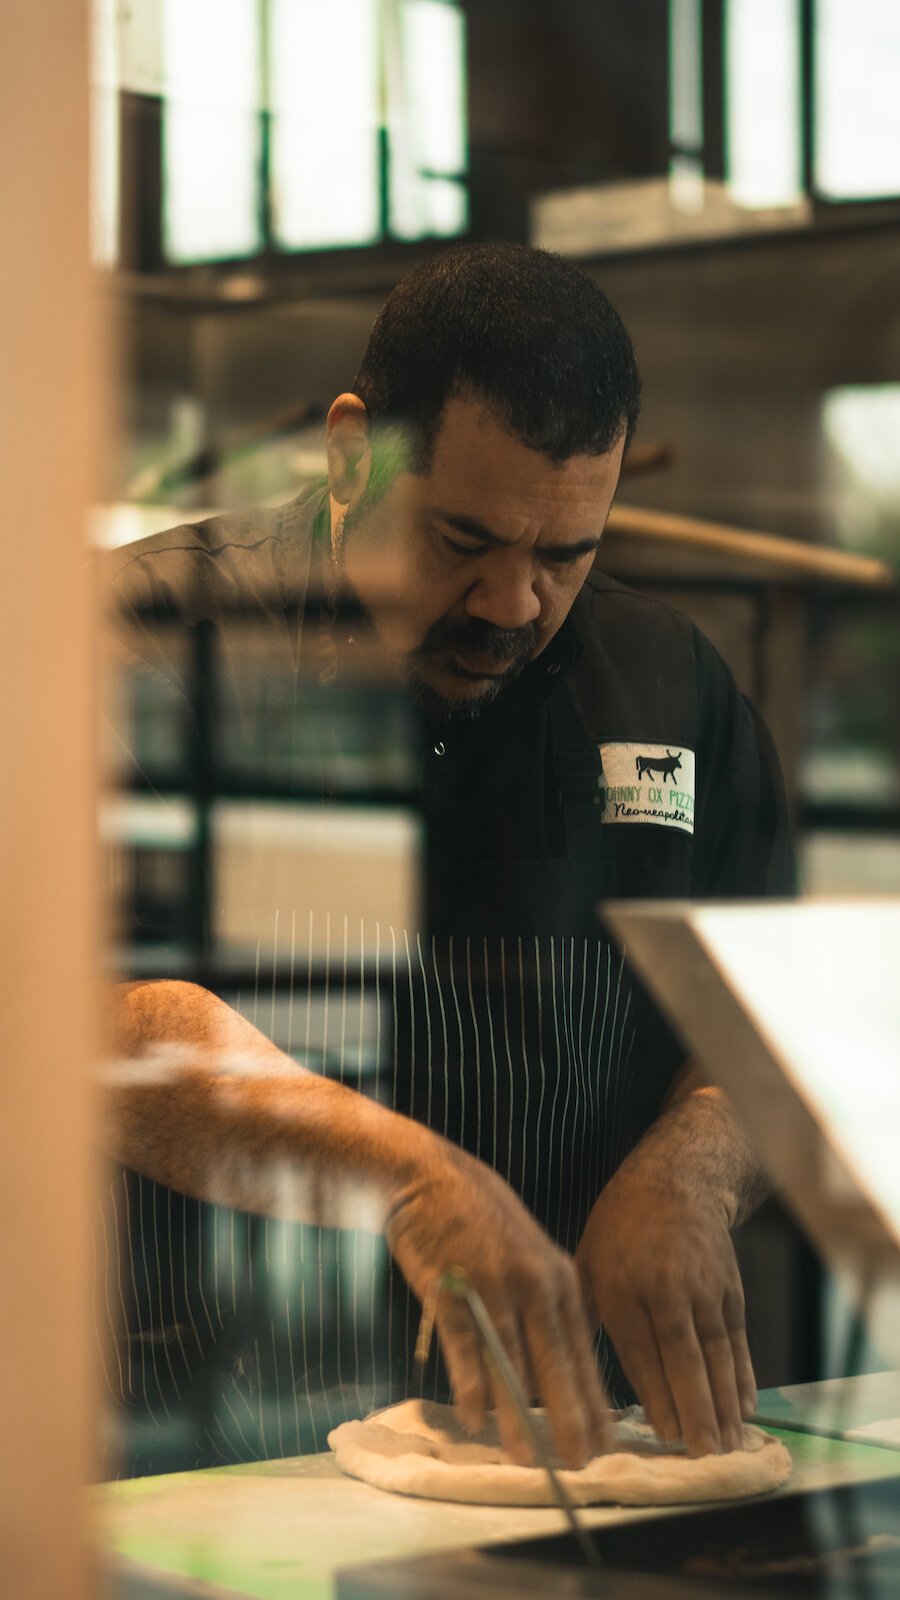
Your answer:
<point x="489" y="485"/>
<point x="469" y="426"/>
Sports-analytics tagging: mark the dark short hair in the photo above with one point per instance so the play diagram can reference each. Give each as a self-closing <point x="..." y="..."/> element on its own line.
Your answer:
<point x="525" y="329"/>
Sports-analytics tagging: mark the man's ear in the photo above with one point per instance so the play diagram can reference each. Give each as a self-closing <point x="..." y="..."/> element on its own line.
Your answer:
<point x="348" y="450"/>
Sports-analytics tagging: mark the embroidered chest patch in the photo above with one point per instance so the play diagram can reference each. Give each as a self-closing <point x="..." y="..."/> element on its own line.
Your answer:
<point x="649" y="783"/>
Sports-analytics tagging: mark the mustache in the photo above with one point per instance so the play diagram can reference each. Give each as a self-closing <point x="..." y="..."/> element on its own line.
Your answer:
<point x="479" y="638"/>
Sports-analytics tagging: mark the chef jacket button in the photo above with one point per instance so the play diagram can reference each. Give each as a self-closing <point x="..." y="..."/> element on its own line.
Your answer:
<point x="440" y="749"/>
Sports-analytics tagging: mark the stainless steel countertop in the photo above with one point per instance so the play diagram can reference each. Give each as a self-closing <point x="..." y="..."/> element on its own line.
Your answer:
<point x="280" y="1530"/>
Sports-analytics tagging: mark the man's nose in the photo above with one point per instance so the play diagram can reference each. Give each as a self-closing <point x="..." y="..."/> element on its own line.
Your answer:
<point x="505" y="596"/>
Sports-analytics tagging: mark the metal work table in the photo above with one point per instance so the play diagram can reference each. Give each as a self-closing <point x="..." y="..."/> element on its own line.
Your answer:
<point x="281" y="1530"/>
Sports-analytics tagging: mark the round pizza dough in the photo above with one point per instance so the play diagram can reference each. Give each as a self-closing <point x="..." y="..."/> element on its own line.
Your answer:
<point x="420" y="1448"/>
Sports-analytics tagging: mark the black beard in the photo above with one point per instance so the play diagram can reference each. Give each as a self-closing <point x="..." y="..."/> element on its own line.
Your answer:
<point x="469" y="636"/>
<point x="437" y="707"/>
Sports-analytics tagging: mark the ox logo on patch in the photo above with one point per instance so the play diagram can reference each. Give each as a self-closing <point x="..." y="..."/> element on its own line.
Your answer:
<point x="649" y="783"/>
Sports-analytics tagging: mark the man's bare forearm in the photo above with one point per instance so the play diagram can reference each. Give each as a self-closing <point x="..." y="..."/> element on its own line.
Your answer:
<point x="659" y="1267"/>
<point x="707" y="1146"/>
<point x="199" y="1100"/>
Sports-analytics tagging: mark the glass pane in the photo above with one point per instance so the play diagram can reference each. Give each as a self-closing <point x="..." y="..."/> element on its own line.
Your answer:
<point x="685" y="75"/>
<point x="211" y="134"/>
<point x="857" y="113"/>
<point x="425" y="65"/>
<point x="434" y="43"/>
<point x="332" y="200"/>
<point x="860" y="430"/>
<point x="762" y="102"/>
<point x="446" y="206"/>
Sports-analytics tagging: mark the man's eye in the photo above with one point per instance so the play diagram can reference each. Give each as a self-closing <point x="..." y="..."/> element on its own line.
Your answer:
<point x="458" y="549"/>
<point x="564" y="558"/>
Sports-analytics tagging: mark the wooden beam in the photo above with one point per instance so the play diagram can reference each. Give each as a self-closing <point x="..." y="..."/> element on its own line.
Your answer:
<point x="785" y="559"/>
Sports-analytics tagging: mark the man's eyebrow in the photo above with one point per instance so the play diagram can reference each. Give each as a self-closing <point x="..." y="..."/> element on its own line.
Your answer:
<point x="468" y="525"/>
<point x="478" y="530"/>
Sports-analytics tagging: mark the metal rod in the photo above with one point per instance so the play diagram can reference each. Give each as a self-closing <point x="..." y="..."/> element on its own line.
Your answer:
<point x="454" y="1281"/>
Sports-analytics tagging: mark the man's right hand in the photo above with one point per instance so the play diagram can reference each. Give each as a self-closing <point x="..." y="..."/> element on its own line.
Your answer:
<point x="453" y="1211"/>
<point x="222" y="1115"/>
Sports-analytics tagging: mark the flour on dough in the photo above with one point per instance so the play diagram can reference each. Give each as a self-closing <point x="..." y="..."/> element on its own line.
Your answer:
<point x="420" y="1448"/>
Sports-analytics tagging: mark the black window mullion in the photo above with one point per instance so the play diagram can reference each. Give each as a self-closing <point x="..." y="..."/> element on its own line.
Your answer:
<point x="808" y="95"/>
<point x="713" y="81"/>
<point x="264" y="191"/>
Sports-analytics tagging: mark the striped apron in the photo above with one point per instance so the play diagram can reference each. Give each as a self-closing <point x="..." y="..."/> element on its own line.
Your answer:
<point x="228" y="1337"/>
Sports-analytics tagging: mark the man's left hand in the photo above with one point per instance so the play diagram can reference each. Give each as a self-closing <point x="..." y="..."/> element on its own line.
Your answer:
<point x="660" y="1274"/>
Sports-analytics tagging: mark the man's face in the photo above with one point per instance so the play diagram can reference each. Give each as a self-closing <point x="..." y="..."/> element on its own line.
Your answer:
<point x="469" y="569"/>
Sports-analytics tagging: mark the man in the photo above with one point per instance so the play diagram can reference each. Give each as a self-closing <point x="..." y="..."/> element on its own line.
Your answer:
<point x="582" y="742"/>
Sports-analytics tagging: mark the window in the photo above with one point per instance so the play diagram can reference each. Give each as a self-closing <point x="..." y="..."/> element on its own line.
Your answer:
<point x="857" y="104"/>
<point x="686" y="103"/>
<point x="786" y="99"/>
<point x="211" y="129"/>
<point x="763" y="104"/>
<point x="287" y="125"/>
<point x="325" y="143"/>
<point x="427" y="128"/>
